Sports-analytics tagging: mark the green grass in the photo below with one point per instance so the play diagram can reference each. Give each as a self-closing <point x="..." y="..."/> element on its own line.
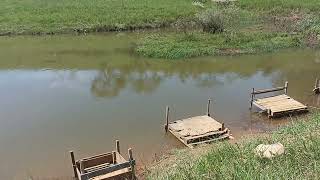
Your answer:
<point x="32" y="16"/>
<point x="178" y="45"/>
<point x="237" y="161"/>
<point x="280" y="5"/>
<point x="249" y="27"/>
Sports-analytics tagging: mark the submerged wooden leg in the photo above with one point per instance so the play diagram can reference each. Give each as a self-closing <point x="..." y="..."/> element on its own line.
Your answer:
<point x="118" y="146"/>
<point x="269" y="113"/>
<point x="252" y="98"/>
<point x="73" y="164"/>
<point x="81" y="167"/>
<point x="286" y="88"/>
<point x="208" y="107"/>
<point x="166" y="126"/>
<point x="133" y="176"/>
<point x="316" y="89"/>
<point x="114" y="157"/>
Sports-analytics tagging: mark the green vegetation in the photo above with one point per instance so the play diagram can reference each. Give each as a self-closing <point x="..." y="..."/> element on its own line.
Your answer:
<point x="241" y="28"/>
<point x="281" y="5"/>
<point x="237" y="161"/>
<point x="175" y="46"/>
<point x="59" y="16"/>
<point x="201" y="27"/>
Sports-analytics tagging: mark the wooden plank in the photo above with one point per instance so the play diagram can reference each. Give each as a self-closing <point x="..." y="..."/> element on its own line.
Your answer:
<point x="279" y="104"/>
<point x="195" y="126"/>
<point x="205" y="138"/>
<point x="204" y="135"/>
<point x="96" y="160"/>
<point x="122" y="174"/>
<point x="259" y="106"/>
<point x="211" y="140"/>
<point x="107" y="170"/>
<point x="263" y="91"/>
<point x="272" y="98"/>
<point x="97" y="168"/>
<point x="178" y="137"/>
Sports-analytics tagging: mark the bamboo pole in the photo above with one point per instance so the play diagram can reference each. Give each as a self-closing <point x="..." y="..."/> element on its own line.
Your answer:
<point x="73" y="161"/>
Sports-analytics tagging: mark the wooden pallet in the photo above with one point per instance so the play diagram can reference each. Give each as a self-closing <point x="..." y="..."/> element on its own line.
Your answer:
<point x="197" y="130"/>
<point x="105" y="166"/>
<point x="277" y="105"/>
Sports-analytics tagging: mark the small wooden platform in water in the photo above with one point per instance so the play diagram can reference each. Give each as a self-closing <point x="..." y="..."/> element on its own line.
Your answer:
<point x="197" y="130"/>
<point x="278" y="105"/>
<point x="105" y="166"/>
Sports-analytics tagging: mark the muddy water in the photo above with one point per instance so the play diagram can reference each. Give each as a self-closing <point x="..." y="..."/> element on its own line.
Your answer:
<point x="61" y="93"/>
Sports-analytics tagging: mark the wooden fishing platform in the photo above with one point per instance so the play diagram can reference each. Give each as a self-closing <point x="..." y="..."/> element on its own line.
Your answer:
<point x="197" y="130"/>
<point x="316" y="89"/>
<point x="105" y="166"/>
<point x="278" y="105"/>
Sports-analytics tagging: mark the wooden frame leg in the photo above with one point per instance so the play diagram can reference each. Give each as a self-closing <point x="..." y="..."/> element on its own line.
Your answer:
<point x="74" y="166"/>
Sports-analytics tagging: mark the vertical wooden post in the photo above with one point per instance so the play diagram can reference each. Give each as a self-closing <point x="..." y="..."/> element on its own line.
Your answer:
<point x="132" y="163"/>
<point x="73" y="164"/>
<point x="114" y="157"/>
<point x="208" y="107"/>
<point x="118" y="146"/>
<point x="81" y="167"/>
<point x="269" y="113"/>
<point x="166" y="126"/>
<point x="316" y="89"/>
<point x="222" y="127"/>
<point x="252" y="98"/>
<point x="286" y="88"/>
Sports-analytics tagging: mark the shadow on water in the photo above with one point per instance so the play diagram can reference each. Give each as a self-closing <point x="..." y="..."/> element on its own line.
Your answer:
<point x="83" y="92"/>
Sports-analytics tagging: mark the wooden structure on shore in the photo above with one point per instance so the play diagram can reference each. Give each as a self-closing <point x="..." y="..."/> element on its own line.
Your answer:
<point x="105" y="166"/>
<point x="316" y="89"/>
<point x="277" y="105"/>
<point x="197" y="130"/>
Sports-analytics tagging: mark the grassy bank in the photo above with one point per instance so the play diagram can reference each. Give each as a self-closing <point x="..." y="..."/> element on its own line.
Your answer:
<point x="174" y="46"/>
<point x="237" y="161"/>
<point x="246" y="27"/>
<point x="61" y="16"/>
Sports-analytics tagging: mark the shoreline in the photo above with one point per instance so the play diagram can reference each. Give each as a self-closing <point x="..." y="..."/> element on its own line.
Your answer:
<point x="184" y="163"/>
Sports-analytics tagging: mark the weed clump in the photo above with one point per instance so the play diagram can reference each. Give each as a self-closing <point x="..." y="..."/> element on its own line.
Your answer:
<point x="211" y="21"/>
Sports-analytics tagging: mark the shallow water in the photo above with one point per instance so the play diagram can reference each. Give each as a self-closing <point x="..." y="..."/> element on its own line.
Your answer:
<point x="61" y="93"/>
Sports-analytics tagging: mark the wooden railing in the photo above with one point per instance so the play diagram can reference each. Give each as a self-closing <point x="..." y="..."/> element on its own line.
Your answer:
<point x="263" y="91"/>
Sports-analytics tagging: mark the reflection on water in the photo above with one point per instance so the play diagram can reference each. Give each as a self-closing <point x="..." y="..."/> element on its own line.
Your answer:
<point x="60" y="93"/>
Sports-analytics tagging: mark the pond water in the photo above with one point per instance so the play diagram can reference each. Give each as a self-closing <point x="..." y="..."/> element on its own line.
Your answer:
<point x="81" y="93"/>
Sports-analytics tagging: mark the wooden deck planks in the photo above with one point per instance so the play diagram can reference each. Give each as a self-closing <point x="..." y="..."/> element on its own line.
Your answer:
<point x="198" y="130"/>
<point x="279" y="104"/>
<point x="195" y="126"/>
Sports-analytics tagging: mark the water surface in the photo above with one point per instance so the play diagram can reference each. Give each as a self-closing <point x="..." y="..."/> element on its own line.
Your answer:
<point x="61" y="93"/>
